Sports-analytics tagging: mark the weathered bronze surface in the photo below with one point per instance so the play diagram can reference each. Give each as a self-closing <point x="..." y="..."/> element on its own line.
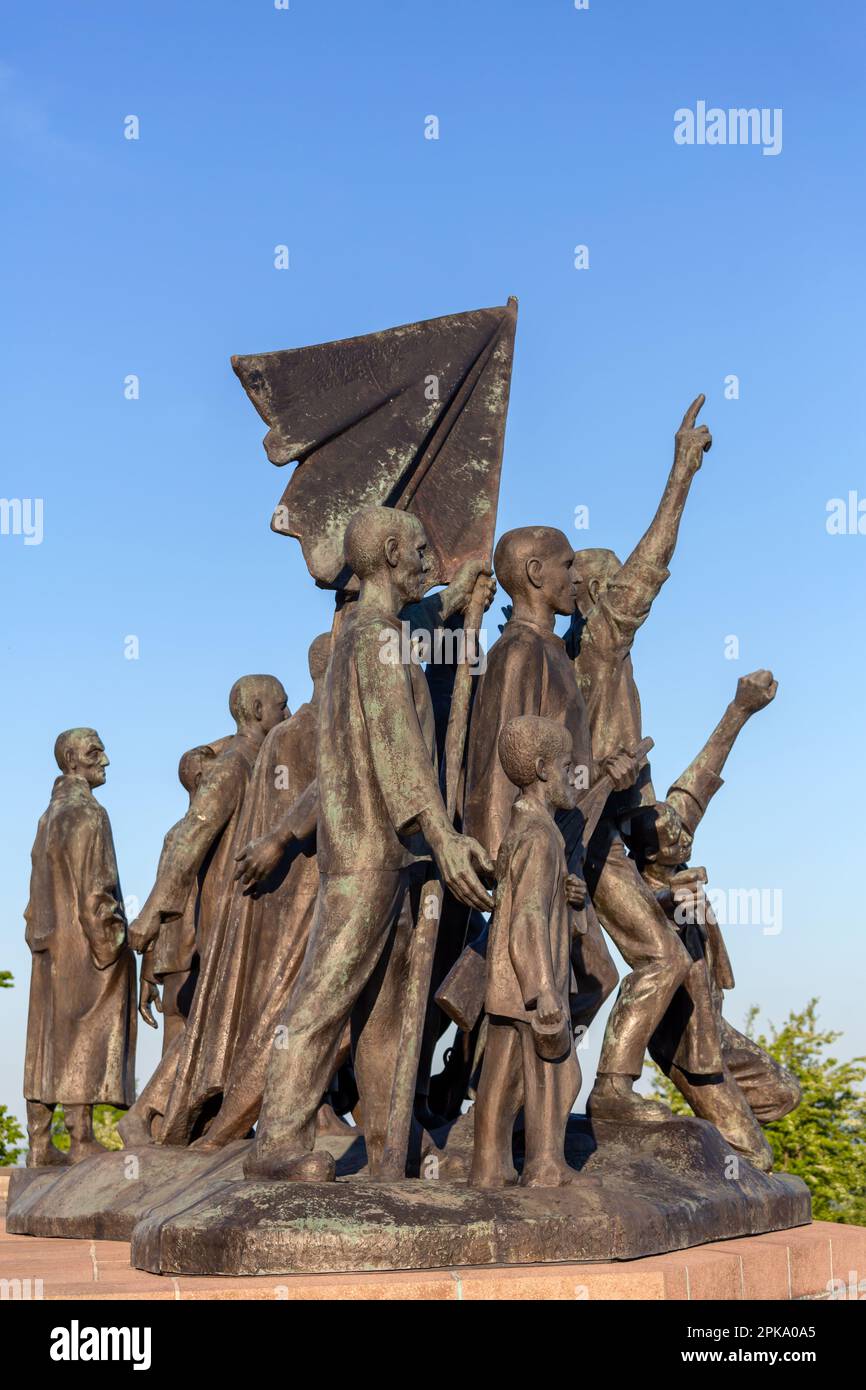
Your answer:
<point x="529" y="973"/>
<point x="81" y="1021"/>
<point x="638" y="1190"/>
<point x="725" y="1076"/>
<point x="613" y="601"/>
<point x="266" y="932"/>
<point x="333" y="865"/>
<point x="197" y="857"/>
<point x="412" y="417"/>
<point x="380" y="813"/>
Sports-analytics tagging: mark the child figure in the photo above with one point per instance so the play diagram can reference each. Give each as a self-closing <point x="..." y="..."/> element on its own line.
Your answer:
<point x="529" y="973"/>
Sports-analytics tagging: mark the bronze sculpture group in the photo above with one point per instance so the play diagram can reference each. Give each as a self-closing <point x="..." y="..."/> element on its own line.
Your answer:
<point x="320" y="908"/>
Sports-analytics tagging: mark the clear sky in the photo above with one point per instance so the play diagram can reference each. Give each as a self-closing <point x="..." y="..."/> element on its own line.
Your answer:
<point x="306" y="127"/>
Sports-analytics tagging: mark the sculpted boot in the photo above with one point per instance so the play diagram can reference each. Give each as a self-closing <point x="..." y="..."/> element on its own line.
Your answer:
<point x="271" y="1161"/>
<point x="41" y="1152"/>
<point x="613" y="1097"/>
<point x="79" y="1122"/>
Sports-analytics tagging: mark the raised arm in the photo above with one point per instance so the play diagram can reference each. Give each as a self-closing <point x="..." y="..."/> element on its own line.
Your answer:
<point x="657" y="545"/>
<point x="693" y="790"/>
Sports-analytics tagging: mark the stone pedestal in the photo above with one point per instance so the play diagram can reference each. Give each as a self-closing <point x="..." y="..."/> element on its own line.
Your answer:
<point x="639" y="1190"/>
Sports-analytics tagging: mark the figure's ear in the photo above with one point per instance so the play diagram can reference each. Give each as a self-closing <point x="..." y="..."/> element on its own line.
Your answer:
<point x="534" y="571"/>
<point x="392" y="550"/>
<point x="70" y="760"/>
<point x="541" y="769"/>
<point x="257" y="708"/>
<point x="593" y="588"/>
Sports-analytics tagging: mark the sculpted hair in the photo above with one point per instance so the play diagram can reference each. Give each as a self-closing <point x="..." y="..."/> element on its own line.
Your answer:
<point x="516" y="547"/>
<point x="367" y="533"/>
<point x="319" y="655"/>
<point x="527" y="738"/>
<point x="246" y="690"/>
<point x="65" y="741"/>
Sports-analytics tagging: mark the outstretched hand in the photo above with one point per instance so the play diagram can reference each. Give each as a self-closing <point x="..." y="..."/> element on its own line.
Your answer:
<point x="693" y="440"/>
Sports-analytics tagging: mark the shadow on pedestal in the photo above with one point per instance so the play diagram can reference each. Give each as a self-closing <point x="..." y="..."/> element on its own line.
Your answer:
<point x="638" y="1190"/>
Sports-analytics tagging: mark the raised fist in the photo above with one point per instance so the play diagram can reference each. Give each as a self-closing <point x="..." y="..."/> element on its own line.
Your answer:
<point x="755" y="691"/>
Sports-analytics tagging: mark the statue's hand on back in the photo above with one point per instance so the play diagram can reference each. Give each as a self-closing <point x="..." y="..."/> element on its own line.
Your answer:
<point x="259" y="858"/>
<point x="144" y="929"/>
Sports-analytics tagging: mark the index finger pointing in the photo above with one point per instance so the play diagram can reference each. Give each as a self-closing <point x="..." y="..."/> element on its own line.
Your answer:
<point x="692" y="413"/>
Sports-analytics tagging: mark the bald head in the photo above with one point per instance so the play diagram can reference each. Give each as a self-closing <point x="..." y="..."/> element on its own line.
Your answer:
<point x="525" y="740"/>
<point x="534" y="563"/>
<point x="319" y="655"/>
<point x="80" y="752"/>
<point x="257" y="701"/>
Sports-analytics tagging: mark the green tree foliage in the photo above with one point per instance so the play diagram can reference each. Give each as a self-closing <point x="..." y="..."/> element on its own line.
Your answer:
<point x="11" y="1132"/>
<point x="105" y="1118"/>
<point x="823" y="1141"/>
<point x="11" y="1135"/>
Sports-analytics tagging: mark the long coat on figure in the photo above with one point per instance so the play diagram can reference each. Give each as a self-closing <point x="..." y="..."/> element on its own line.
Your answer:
<point x="81" y="1026"/>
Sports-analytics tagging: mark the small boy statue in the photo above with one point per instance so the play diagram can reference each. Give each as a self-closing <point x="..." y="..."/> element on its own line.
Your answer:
<point x="529" y="975"/>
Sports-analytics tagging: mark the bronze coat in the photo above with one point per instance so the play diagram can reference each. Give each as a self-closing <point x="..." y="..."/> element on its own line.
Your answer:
<point x="530" y="932"/>
<point x="528" y="672"/>
<point x="81" y="1026"/>
<point x="249" y="980"/>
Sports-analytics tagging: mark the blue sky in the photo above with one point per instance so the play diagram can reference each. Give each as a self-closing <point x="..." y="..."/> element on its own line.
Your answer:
<point x="305" y="127"/>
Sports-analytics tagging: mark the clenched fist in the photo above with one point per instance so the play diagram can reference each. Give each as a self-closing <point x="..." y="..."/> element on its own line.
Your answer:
<point x="575" y="891"/>
<point x="755" y="691"/>
<point x="460" y="590"/>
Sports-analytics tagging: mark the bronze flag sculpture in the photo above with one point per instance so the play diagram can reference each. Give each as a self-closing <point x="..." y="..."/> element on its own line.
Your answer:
<point x="332" y="865"/>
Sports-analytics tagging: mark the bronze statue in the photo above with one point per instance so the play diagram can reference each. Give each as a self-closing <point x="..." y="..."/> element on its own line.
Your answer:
<point x="529" y="975"/>
<point x="725" y="1077"/>
<point x="330" y="866"/>
<point x="529" y="672"/>
<point x="613" y="600"/>
<point x="172" y="959"/>
<point x="81" y="1023"/>
<point x="200" y="844"/>
<point x="266" y="931"/>
<point x="380" y="813"/>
